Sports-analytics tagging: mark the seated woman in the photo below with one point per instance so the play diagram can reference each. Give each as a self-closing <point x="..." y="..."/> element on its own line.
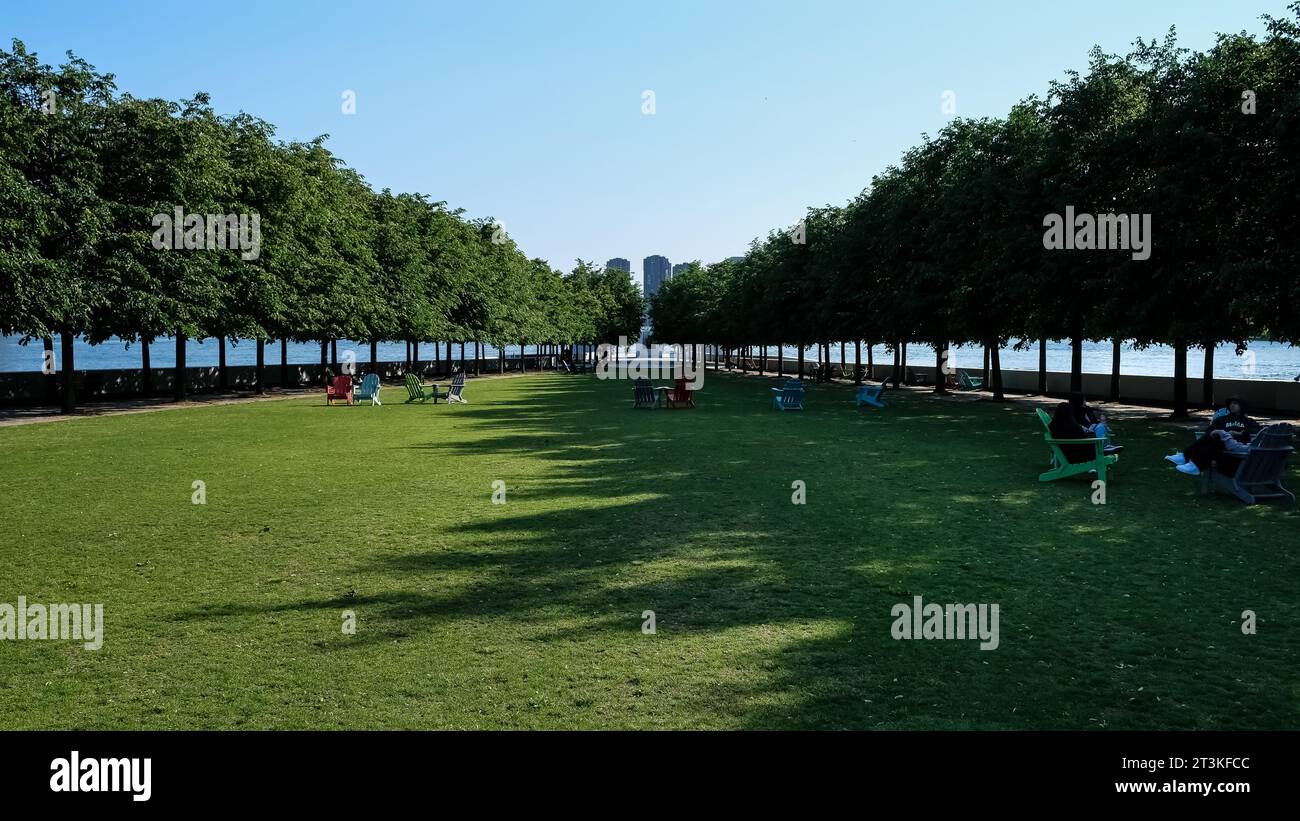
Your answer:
<point x="1065" y="426"/>
<point x="1226" y="440"/>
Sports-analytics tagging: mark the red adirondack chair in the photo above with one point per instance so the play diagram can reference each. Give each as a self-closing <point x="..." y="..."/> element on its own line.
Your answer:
<point x="680" y="397"/>
<point x="339" y="388"/>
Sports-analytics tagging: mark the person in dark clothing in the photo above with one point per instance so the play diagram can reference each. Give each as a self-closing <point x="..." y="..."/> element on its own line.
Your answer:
<point x="1065" y="426"/>
<point x="1225" y="441"/>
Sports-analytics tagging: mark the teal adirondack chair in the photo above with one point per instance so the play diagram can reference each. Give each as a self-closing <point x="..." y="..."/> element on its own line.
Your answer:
<point x="873" y="395"/>
<point x="369" y="390"/>
<point x="789" y="397"/>
<point x="1062" y="467"/>
<point x="967" y="382"/>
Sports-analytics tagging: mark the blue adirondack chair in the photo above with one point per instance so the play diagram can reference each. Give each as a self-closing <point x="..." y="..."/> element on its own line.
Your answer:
<point x="789" y="397"/>
<point x="369" y="390"/>
<point x="873" y="395"/>
<point x="644" y="395"/>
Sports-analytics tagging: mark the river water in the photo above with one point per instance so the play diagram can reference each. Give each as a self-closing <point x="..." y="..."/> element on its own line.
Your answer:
<point x="1262" y="360"/>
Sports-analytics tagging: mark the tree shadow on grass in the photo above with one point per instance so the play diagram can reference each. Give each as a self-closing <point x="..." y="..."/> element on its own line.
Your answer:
<point x="690" y="515"/>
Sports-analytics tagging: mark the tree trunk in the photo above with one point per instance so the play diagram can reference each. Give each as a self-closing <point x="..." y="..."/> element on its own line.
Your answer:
<point x="180" y="387"/>
<point x="857" y="361"/>
<point x="334" y="354"/>
<point x="871" y="361"/>
<point x="1207" y="378"/>
<point x="1180" y="379"/>
<point x="462" y="356"/>
<point x="284" y="362"/>
<point x="415" y="355"/>
<point x="940" y="378"/>
<point x="780" y="360"/>
<point x="374" y="356"/>
<point x="898" y="363"/>
<point x="68" y="370"/>
<point x="478" y="359"/>
<point x="1076" y="363"/>
<point x="1116" y="347"/>
<point x="222" y="378"/>
<point x="984" y="373"/>
<point x="324" y="361"/>
<point x="904" y="346"/>
<point x="1042" y="367"/>
<point x="799" y="365"/>
<point x="521" y="355"/>
<point x="995" y="358"/>
<point x="146" y="369"/>
<point x="260" y="386"/>
<point x="51" y="372"/>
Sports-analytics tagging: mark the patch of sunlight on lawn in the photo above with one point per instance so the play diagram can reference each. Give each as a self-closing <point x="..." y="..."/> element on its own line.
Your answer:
<point x="881" y="567"/>
<point x="1020" y="498"/>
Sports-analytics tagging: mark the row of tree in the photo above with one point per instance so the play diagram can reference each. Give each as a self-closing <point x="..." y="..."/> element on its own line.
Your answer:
<point x="85" y="171"/>
<point x="948" y="245"/>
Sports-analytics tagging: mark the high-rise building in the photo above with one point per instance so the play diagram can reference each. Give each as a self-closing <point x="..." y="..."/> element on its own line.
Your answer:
<point x="655" y="271"/>
<point x="619" y="264"/>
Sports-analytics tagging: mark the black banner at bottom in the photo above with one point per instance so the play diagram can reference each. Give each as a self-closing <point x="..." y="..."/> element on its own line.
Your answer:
<point x="332" y="770"/>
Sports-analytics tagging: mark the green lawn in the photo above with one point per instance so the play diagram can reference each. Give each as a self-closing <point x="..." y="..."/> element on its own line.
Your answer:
<point x="529" y="613"/>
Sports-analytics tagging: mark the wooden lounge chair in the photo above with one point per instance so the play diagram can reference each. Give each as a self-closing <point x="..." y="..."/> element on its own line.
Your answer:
<point x="1259" y="476"/>
<point x="369" y="390"/>
<point x="644" y="395"/>
<point x="873" y="395"/>
<point x="421" y="393"/>
<point x="457" y="386"/>
<point x="967" y="382"/>
<point x="339" y="388"/>
<point x="680" y="396"/>
<point x="789" y="397"/>
<point x="1062" y="467"/>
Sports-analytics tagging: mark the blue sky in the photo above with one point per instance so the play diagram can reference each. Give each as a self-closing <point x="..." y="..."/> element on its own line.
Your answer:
<point x="532" y="112"/>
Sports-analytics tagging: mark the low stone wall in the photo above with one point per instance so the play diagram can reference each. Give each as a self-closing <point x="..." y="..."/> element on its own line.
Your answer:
<point x="1272" y="395"/>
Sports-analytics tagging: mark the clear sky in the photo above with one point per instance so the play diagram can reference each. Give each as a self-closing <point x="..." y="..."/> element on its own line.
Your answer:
<point x="531" y="112"/>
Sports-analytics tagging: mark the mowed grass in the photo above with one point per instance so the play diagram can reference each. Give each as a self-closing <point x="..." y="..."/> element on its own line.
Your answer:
<point x="528" y="614"/>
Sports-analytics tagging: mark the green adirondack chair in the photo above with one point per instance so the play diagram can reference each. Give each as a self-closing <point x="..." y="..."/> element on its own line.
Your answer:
<point x="1062" y="467"/>
<point x="422" y="393"/>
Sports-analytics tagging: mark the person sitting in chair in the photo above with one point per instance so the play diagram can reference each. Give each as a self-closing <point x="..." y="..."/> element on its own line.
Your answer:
<point x="1225" y="441"/>
<point x="1065" y="426"/>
